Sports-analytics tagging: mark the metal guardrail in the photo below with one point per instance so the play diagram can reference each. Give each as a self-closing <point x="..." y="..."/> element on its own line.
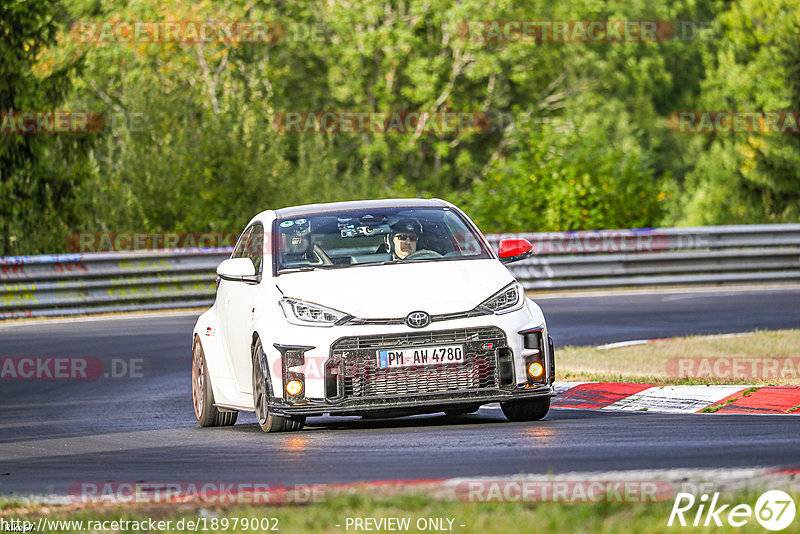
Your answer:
<point x="74" y="284"/>
<point x="70" y="284"/>
<point x="660" y="256"/>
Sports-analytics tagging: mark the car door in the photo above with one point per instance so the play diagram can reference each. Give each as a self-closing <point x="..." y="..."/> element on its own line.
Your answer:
<point x="239" y="299"/>
<point x="225" y="288"/>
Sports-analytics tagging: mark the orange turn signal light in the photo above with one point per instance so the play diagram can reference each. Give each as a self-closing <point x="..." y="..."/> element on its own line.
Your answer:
<point x="535" y="370"/>
<point x="294" y="387"/>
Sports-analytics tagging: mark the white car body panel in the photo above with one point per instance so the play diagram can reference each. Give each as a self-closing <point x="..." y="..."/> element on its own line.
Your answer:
<point x="243" y="310"/>
<point x="396" y="290"/>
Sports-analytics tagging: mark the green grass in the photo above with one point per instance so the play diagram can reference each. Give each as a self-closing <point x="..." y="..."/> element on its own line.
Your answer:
<point x="655" y="363"/>
<point x="712" y="409"/>
<point x="603" y="517"/>
<point x="10" y="503"/>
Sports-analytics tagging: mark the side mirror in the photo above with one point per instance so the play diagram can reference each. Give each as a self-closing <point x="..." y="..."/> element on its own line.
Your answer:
<point x="237" y="270"/>
<point x="512" y="250"/>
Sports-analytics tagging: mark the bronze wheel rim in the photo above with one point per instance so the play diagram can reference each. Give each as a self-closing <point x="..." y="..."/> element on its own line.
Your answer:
<point x="198" y="380"/>
<point x="261" y="397"/>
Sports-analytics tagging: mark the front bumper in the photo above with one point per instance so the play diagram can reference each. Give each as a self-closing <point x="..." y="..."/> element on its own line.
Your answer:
<point x="360" y="388"/>
<point x="422" y="402"/>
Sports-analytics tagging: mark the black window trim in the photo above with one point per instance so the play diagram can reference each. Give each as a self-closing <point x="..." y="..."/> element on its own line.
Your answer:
<point x="249" y="227"/>
<point x="484" y="243"/>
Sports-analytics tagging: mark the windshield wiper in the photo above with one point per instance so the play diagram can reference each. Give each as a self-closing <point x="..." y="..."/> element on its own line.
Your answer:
<point x="298" y="269"/>
<point x="311" y="268"/>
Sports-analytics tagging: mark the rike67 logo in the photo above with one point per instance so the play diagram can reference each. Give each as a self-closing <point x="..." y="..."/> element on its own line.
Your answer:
<point x="774" y="510"/>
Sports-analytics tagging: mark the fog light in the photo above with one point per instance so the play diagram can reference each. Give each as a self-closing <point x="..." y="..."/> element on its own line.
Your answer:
<point x="294" y="387"/>
<point x="535" y="370"/>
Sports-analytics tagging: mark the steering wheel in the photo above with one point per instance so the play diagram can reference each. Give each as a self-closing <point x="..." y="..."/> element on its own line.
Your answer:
<point x="423" y="254"/>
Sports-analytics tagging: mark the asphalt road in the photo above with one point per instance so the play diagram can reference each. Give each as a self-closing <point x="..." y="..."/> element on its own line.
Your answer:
<point x="606" y="319"/>
<point x="58" y="433"/>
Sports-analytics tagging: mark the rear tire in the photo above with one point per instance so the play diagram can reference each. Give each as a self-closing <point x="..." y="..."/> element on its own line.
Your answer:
<point x="203" y="396"/>
<point x="261" y="397"/>
<point x="526" y="410"/>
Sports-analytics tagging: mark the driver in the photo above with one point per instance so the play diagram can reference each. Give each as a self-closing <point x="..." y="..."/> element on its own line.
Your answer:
<point x="404" y="237"/>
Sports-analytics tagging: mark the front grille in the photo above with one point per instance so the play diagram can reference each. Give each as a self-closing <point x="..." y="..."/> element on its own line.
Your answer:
<point x="355" y="361"/>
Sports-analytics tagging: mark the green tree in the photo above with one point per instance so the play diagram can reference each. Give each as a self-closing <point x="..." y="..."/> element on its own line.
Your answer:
<point x="38" y="172"/>
<point x="578" y="137"/>
<point x="748" y="177"/>
<point x="569" y="177"/>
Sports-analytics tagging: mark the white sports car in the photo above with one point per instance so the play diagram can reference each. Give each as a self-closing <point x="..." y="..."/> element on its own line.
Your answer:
<point x="375" y="308"/>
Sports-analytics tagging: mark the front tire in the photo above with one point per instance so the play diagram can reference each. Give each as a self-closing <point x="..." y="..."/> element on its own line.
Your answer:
<point x="203" y="396"/>
<point x="261" y="397"/>
<point x="526" y="410"/>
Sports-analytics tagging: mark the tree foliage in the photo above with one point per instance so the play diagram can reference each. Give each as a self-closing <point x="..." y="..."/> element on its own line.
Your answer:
<point x="38" y="173"/>
<point x="748" y="177"/>
<point x="578" y="136"/>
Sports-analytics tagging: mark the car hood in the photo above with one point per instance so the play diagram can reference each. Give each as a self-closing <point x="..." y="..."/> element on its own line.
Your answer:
<point x="395" y="290"/>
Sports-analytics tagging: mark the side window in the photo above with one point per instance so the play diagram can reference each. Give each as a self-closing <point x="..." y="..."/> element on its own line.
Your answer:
<point x="467" y="242"/>
<point x="241" y="247"/>
<point x="255" y="246"/>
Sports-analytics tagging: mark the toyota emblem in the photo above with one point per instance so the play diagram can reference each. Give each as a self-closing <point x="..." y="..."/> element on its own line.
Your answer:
<point x="418" y="319"/>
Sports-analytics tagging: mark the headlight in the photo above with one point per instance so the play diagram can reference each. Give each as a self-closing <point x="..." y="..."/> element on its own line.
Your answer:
<point x="308" y="314"/>
<point x="508" y="299"/>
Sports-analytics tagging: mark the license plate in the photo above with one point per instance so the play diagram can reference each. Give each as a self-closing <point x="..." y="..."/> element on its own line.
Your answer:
<point x="411" y="357"/>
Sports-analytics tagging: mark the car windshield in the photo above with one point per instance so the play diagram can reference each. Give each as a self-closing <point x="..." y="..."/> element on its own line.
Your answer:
<point x="375" y="236"/>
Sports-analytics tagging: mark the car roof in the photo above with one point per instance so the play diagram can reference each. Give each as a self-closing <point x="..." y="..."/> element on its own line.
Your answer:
<point x="309" y="209"/>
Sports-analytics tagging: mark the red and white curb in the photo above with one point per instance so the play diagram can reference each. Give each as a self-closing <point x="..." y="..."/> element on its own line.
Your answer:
<point x="678" y="399"/>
